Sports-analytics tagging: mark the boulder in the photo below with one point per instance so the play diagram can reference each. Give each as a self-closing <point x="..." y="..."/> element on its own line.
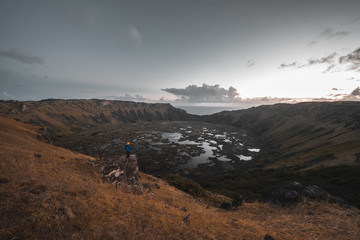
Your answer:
<point x="116" y="175"/>
<point x="292" y="193"/>
<point x="284" y="194"/>
<point x="268" y="237"/>
<point x="225" y="205"/>
<point x="121" y="169"/>
<point x="122" y="172"/>
<point x="67" y="212"/>
<point x="315" y="192"/>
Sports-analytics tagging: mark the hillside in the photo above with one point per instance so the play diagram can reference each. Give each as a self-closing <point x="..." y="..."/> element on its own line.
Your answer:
<point x="66" y="117"/>
<point x="304" y="135"/>
<point x="49" y="192"/>
<point x="312" y="143"/>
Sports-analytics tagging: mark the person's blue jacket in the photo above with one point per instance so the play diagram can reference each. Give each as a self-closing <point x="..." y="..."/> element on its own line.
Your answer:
<point x="127" y="148"/>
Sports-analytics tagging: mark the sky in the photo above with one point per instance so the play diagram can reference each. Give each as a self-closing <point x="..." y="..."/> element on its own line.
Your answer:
<point x="180" y="51"/>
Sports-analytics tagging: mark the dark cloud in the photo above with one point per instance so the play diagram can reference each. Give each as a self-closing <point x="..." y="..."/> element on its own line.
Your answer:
<point x="325" y="60"/>
<point x="355" y="92"/>
<point x="250" y="63"/>
<point x="329" y="68"/>
<point x="352" y="60"/>
<point x="328" y="59"/>
<point x="332" y="33"/>
<point x="353" y="96"/>
<point x="285" y="65"/>
<point x="205" y="93"/>
<point x="22" y="56"/>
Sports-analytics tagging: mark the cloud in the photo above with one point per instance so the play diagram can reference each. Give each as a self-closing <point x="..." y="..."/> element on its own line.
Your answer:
<point x="331" y="33"/>
<point x="135" y="36"/>
<point x="313" y="43"/>
<point x="250" y="63"/>
<point x="285" y="65"/>
<point x="348" y="62"/>
<point x="351" y="21"/>
<point x="325" y="60"/>
<point x="329" y="68"/>
<point x="355" y="92"/>
<point x="136" y="98"/>
<point x="328" y="59"/>
<point x="352" y="60"/>
<point x="353" y="96"/>
<point x="205" y="93"/>
<point x="21" y="55"/>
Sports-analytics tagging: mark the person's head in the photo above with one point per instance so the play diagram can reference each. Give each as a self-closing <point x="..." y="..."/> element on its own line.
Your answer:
<point x="127" y="143"/>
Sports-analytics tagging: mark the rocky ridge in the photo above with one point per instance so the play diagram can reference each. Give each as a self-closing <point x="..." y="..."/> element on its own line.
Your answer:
<point x="121" y="172"/>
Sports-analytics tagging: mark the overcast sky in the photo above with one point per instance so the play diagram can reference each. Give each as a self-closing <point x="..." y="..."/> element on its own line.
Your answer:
<point x="192" y="50"/>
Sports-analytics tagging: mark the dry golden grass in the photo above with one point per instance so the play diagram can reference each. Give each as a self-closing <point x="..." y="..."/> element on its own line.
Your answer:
<point x="34" y="191"/>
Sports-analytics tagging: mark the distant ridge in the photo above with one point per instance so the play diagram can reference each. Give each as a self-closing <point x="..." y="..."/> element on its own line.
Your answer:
<point x="65" y="117"/>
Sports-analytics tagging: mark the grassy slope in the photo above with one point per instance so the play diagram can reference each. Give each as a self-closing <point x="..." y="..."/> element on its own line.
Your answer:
<point x="33" y="190"/>
<point x="307" y="135"/>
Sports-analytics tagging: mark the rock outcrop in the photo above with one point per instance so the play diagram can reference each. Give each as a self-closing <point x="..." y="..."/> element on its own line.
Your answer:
<point x="291" y="193"/>
<point x="122" y="169"/>
<point x="121" y="172"/>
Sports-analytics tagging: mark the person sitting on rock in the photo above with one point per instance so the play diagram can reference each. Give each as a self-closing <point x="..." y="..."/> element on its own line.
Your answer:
<point x="127" y="148"/>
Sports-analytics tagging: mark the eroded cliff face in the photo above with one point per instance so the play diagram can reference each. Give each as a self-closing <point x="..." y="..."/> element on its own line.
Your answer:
<point x="64" y="117"/>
